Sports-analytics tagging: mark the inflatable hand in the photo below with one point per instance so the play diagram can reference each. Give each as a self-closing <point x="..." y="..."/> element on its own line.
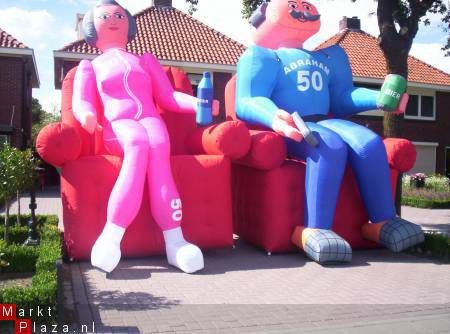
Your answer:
<point x="216" y="108"/>
<point x="284" y="125"/>
<point x="88" y="121"/>
<point x="392" y="91"/>
<point x="402" y="106"/>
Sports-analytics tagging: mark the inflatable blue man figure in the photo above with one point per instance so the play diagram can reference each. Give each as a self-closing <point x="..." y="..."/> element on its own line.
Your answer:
<point x="277" y="77"/>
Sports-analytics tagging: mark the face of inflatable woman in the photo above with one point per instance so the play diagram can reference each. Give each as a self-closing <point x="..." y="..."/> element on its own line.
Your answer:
<point x="293" y="20"/>
<point x="111" y="24"/>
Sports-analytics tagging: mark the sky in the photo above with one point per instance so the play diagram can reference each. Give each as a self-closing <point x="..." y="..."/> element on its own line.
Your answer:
<point x="48" y="25"/>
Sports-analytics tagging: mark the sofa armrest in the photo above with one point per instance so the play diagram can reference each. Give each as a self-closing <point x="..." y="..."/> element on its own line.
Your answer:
<point x="401" y="154"/>
<point x="58" y="143"/>
<point x="230" y="138"/>
<point x="268" y="150"/>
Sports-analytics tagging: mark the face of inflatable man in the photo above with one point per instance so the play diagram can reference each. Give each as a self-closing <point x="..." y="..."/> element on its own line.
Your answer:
<point x="295" y="20"/>
<point x="111" y="24"/>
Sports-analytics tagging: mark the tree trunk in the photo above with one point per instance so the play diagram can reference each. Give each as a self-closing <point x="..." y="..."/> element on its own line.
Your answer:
<point x="6" y="232"/>
<point x="395" y="47"/>
<point x="18" y="209"/>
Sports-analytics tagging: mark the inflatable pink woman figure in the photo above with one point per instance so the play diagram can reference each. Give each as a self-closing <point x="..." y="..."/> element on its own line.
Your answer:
<point x="127" y="85"/>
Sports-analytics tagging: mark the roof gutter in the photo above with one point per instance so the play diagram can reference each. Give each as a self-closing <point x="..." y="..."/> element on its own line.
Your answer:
<point x="442" y="88"/>
<point x="207" y="66"/>
<point x="63" y="55"/>
<point x="24" y="52"/>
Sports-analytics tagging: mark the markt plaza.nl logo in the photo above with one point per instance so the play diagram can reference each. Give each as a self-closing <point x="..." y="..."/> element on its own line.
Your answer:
<point x="23" y="323"/>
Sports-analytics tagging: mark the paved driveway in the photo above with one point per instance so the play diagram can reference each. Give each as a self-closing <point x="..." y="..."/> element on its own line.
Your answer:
<point x="244" y="290"/>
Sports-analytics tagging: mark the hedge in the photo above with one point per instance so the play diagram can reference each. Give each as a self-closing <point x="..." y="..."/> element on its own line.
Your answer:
<point x="425" y="203"/>
<point x="436" y="245"/>
<point x="41" y="260"/>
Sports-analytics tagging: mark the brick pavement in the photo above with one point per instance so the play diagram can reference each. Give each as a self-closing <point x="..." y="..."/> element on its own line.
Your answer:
<point x="435" y="220"/>
<point x="243" y="290"/>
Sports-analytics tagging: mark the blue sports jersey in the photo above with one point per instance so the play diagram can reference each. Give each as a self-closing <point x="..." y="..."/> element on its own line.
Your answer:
<point x="310" y="82"/>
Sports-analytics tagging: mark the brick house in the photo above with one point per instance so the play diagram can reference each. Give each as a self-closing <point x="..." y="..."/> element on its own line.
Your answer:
<point x="176" y="39"/>
<point x="18" y="75"/>
<point x="427" y="119"/>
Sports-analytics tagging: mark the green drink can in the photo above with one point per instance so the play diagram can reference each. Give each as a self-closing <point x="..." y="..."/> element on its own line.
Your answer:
<point x="393" y="88"/>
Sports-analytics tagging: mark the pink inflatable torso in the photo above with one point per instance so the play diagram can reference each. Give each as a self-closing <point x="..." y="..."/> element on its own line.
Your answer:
<point x="124" y="85"/>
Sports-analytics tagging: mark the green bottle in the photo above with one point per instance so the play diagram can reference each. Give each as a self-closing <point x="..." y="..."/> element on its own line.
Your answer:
<point x="393" y="88"/>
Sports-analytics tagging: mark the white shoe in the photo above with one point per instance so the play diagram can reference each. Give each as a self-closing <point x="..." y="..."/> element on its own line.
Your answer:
<point x="182" y="254"/>
<point x="106" y="254"/>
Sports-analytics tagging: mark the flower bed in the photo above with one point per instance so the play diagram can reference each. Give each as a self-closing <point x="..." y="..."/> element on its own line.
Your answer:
<point x="435" y="192"/>
<point x="39" y="260"/>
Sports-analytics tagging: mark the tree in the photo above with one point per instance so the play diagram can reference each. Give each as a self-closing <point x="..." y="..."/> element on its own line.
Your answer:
<point x="398" y="22"/>
<point x="40" y="118"/>
<point x="192" y="5"/>
<point x="17" y="173"/>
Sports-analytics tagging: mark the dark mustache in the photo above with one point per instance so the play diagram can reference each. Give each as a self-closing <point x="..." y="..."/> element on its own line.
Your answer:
<point x="299" y="15"/>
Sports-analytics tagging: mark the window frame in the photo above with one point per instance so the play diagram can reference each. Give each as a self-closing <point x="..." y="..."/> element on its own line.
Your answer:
<point x="419" y="111"/>
<point x="4" y="136"/>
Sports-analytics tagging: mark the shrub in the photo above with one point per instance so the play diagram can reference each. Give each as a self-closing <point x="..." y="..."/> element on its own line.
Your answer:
<point x="436" y="245"/>
<point x="434" y="194"/>
<point x="426" y="203"/>
<point x="17" y="234"/>
<point x="437" y="183"/>
<point x="42" y="259"/>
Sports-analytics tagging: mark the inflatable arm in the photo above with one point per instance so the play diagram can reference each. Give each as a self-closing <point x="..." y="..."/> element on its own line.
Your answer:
<point x="164" y="93"/>
<point x="345" y="99"/>
<point x="258" y="69"/>
<point x="84" y="92"/>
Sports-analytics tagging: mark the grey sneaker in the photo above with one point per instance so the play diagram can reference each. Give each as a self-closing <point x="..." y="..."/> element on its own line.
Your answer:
<point x="399" y="234"/>
<point x="325" y="246"/>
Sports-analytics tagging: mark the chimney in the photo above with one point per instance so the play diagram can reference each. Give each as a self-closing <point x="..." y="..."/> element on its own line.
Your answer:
<point x="351" y="23"/>
<point x="162" y="3"/>
<point x="78" y="26"/>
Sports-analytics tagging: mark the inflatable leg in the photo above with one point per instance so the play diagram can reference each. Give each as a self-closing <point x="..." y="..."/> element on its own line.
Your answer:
<point x="325" y="166"/>
<point x="129" y="138"/>
<point x="165" y="201"/>
<point x="367" y="156"/>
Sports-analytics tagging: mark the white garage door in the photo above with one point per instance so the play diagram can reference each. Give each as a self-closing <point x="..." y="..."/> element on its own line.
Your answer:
<point x="426" y="158"/>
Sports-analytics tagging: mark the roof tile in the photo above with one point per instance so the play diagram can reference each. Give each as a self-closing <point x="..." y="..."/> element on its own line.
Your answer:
<point x="369" y="62"/>
<point x="170" y="34"/>
<point x="8" y="41"/>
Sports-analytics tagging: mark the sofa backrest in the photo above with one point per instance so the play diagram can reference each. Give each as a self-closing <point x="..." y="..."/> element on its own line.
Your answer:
<point x="179" y="125"/>
<point x="230" y="99"/>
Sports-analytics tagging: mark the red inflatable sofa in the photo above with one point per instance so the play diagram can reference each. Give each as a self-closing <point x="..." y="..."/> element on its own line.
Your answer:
<point x="201" y="168"/>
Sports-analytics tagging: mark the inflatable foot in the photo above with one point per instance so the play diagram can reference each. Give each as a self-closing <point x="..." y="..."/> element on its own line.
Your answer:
<point x="106" y="254"/>
<point x="396" y="234"/>
<point x="323" y="246"/>
<point x="182" y="254"/>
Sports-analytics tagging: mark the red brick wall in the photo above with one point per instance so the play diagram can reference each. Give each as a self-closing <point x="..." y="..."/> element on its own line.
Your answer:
<point x="419" y="130"/>
<point x="443" y="119"/>
<point x="11" y="94"/>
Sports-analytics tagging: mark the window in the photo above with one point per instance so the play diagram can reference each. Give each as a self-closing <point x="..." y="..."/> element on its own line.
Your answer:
<point x="413" y="106"/>
<point x="195" y="79"/>
<point x="427" y="106"/>
<point x="4" y="139"/>
<point x="421" y="107"/>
